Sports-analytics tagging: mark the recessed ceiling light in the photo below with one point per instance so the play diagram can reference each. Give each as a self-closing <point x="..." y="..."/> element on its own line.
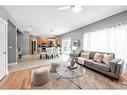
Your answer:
<point x="77" y="9"/>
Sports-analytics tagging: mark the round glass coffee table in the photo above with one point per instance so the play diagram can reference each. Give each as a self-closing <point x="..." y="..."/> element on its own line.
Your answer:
<point x="72" y="74"/>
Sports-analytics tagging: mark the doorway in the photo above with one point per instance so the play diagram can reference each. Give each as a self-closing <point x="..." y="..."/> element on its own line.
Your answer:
<point x="3" y="49"/>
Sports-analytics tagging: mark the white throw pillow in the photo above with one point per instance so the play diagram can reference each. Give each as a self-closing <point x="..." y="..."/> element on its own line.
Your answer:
<point x="86" y="54"/>
<point x="107" y="58"/>
<point x="98" y="57"/>
<point x="82" y="55"/>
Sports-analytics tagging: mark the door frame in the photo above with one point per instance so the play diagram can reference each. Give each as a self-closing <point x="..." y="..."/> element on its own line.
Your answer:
<point x="6" y="45"/>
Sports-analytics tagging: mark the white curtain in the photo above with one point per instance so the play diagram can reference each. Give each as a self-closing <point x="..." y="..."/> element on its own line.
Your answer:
<point x="86" y="44"/>
<point x="113" y="39"/>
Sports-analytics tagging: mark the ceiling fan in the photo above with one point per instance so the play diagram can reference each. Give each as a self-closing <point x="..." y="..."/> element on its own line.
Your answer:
<point x="75" y="8"/>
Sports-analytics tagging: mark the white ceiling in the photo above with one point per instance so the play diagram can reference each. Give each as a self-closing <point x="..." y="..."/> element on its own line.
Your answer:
<point x="43" y="18"/>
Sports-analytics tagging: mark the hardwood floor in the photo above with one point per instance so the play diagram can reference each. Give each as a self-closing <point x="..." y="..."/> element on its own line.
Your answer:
<point x="20" y="74"/>
<point x="16" y="80"/>
<point x="90" y="80"/>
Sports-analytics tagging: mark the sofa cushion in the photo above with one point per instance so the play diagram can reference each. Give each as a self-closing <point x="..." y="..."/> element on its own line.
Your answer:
<point x="92" y="53"/>
<point x="82" y="54"/>
<point x="101" y="66"/>
<point x="85" y="54"/>
<point x="98" y="57"/>
<point x="113" y="64"/>
<point x="91" y="56"/>
<point x="107" y="58"/>
<point x="89" y="62"/>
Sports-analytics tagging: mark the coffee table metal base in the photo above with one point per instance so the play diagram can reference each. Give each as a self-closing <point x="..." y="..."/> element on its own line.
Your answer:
<point x="74" y="72"/>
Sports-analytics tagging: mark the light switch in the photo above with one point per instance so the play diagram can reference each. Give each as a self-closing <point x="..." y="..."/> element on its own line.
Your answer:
<point x="10" y="47"/>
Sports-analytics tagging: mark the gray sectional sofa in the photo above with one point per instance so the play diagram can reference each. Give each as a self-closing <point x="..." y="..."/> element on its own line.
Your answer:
<point x="113" y="70"/>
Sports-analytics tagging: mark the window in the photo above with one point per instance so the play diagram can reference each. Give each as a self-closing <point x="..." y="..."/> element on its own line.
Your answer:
<point x="66" y="44"/>
<point x="112" y="39"/>
<point x="86" y="41"/>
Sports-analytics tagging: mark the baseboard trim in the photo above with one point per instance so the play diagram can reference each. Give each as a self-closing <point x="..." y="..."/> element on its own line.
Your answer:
<point x="25" y="55"/>
<point x="7" y="72"/>
<point x="12" y="64"/>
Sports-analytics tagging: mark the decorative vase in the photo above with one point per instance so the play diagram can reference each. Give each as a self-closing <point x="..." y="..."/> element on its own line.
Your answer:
<point x="72" y="62"/>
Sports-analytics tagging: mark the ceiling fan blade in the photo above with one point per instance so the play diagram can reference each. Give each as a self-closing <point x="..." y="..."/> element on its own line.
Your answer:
<point x="64" y="8"/>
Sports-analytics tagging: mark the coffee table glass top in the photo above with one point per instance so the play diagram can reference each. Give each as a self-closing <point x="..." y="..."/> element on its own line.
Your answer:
<point x="65" y="72"/>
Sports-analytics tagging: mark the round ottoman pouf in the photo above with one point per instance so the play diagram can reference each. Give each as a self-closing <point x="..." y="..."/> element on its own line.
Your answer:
<point x="40" y="76"/>
<point x="54" y="66"/>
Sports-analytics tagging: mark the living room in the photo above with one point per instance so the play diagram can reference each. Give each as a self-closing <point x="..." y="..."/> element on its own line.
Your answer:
<point x="76" y="48"/>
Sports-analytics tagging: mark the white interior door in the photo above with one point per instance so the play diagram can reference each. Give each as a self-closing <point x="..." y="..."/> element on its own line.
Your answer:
<point x="3" y="49"/>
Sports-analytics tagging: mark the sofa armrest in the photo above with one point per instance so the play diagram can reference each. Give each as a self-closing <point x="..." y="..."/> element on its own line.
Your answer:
<point x="113" y="64"/>
<point x="81" y="60"/>
<point x="119" y="68"/>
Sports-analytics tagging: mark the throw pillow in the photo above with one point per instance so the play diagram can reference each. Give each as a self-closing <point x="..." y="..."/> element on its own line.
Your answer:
<point x="86" y="53"/>
<point x="82" y="55"/>
<point x="107" y="58"/>
<point x="98" y="57"/>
